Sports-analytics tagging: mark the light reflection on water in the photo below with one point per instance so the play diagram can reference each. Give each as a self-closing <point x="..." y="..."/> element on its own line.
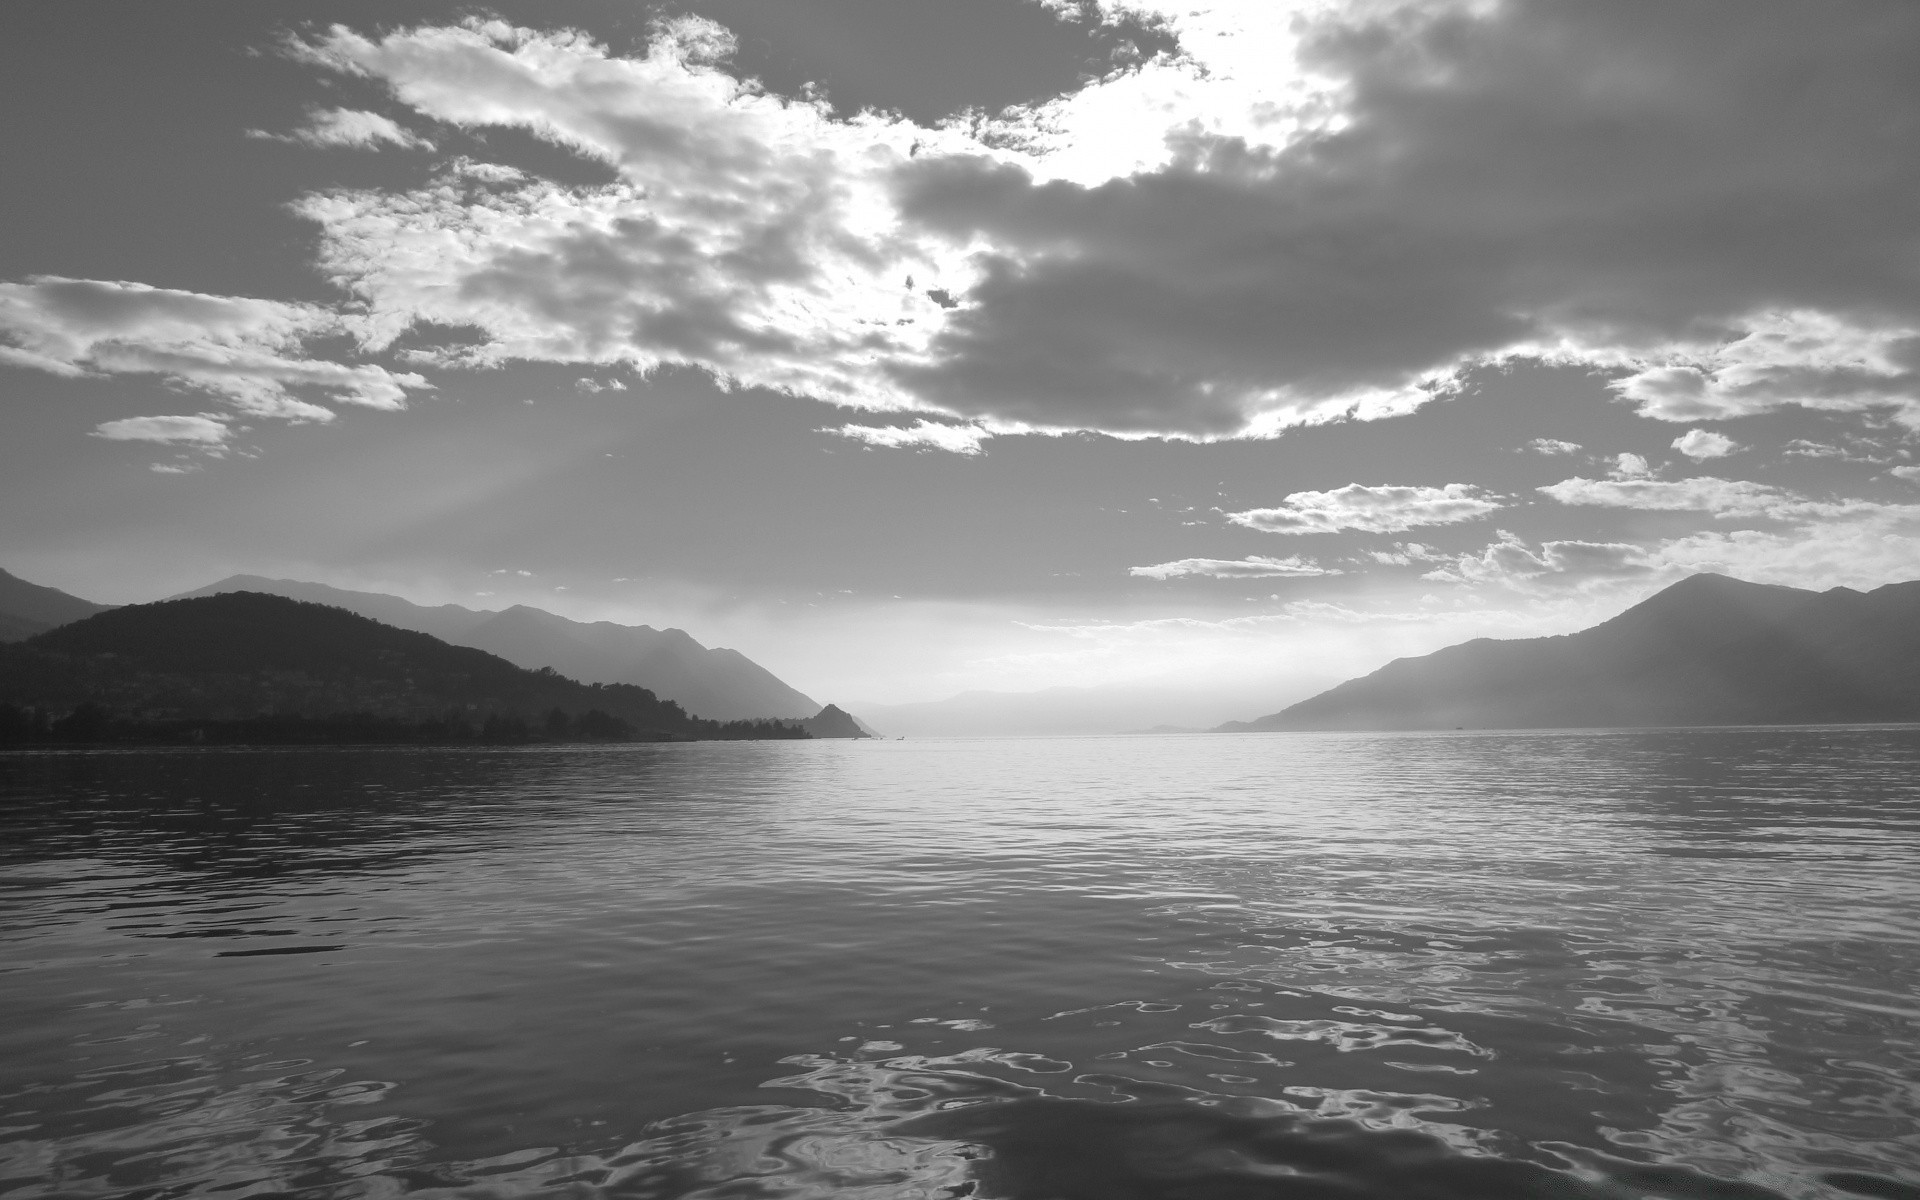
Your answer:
<point x="1652" y="963"/>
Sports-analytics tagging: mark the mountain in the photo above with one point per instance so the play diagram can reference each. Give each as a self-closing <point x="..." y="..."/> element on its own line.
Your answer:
<point x="719" y="684"/>
<point x="28" y="608"/>
<point x="835" y="722"/>
<point x="1707" y="651"/>
<point x="244" y="656"/>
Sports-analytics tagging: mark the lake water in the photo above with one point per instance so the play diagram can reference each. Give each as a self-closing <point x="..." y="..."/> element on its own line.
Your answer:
<point x="1474" y="966"/>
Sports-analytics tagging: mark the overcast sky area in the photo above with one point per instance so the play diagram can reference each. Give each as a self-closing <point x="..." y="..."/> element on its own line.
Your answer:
<point x="919" y="346"/>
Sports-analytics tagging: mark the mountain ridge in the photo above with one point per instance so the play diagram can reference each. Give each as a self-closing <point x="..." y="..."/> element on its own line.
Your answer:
<point x="27" y="609"/>
<point x="716" y="682"/>
<point x="247" y="657"/>
<point x="1708" y="650"/>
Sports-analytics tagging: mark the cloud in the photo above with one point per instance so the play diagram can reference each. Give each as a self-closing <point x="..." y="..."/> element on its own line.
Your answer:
<point x="1912" y="473"/>
<point x="1863" y="546"/>
<point x="924" y="435"/>
<point x="1382" y="509"/>
<point x="746" y="234"/>
<point x="1329" y="215"/>
<point x="1879" y="548"/>
<point x="249" y="353"/>
<point x="1705" y="493"/>
<point x="1702" y="444"/>
<point x="1630" y="466"/>
<point x="1593" y="183"/>
<point x="1510" y="562"/>
<point x="1252" y="567"/>
<point x="350" y="127"/>
<point x="199" y="430"/>
<point x="1856" y="450"/>
<point x="1807" y="359"/>
<point x="1552" y="446"/>
<point x="1405" y="554"/>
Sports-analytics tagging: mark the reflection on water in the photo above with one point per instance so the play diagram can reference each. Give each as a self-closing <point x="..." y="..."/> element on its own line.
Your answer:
<point x="1648" y="963"/>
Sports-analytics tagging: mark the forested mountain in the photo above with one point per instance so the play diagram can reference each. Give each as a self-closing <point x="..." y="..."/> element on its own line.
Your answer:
<point x="1707" y="651"/>
<point x="246" y="657"/>
<point x="716" y="683"/>
<point x="28" y="608"/>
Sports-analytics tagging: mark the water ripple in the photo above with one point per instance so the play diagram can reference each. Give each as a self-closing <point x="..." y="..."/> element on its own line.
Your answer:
<point x="1650" y="963"/>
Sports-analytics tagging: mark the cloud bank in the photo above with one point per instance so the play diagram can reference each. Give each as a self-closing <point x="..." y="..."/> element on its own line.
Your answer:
<point x="193" y="431"/>
<point x="924" y="435"/>
<point x="1704" y="493"/>
<point x="1331" y="218"/>
<point x="250" y="354"/>
<point x="1381" y="509"/>
<point x="1251" y="567"/>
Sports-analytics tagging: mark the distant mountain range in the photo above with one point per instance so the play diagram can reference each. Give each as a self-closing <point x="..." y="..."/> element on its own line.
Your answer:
<point x="722" y="685"/>
<point x="244" y="666"/>
<point x="1707" y="651"/>
<point x="28" y="608"/>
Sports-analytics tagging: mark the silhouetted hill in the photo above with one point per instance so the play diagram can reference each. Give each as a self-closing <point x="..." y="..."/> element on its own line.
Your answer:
<point x="1707" y="651"/>
<point x="834" y="722"/>
<point x="29" y="608"/>
<point x="243" y="656"/>
<point x="717" y="683"/>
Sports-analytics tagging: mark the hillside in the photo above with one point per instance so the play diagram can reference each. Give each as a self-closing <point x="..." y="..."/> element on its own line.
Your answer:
<point x="834" y="722"/>
<point x="716" y="683"/>
<point x="1707" y="651"/>
<point x="28" y="608"/>
<point x="243" y="656"/>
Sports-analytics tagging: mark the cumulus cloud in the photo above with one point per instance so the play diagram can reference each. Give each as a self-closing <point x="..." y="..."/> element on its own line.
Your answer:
<point x="746" y="234"/>
<point x="249" y="353"/>
<point x="1553" y="446"/>
<point x="923" y="435"/>
<point x="201" y="430"/>
<point x="1406" y="554"/>
<point x="1510" y="562"/>
<point x="1808" y="359"/>
<point x="1702" y="444"/>
<point x="1879" y="547"/>
<point x="1860" y="546"/>
<point x="1850" y="448"/>
<point x="1251" y="567"/>
<point x="1597" y="183"/>
<point x="1629" y="466"/>
<point x="1704" y="493"/>
<point x="350" y="127"/>
<point x="1386" y="508"/>
<point x="1330" y="214"/>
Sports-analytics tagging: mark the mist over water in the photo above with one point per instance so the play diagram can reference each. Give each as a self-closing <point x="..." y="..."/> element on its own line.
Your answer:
<point x="1615" y="964"/>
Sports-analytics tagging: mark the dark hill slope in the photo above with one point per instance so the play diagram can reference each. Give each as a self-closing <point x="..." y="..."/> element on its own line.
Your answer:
<point x="834" y="722"/>
<point x="712" y="682"/>
<point x="240" y="655"/>
<point x="28" y="608"/>
<point x="1707" y="651"/>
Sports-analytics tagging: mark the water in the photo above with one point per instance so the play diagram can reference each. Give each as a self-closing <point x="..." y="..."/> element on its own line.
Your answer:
<point x="1619" y="964"/>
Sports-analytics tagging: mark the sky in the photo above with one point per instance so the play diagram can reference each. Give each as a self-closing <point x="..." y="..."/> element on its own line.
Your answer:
<point x="1214" y="350"/>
